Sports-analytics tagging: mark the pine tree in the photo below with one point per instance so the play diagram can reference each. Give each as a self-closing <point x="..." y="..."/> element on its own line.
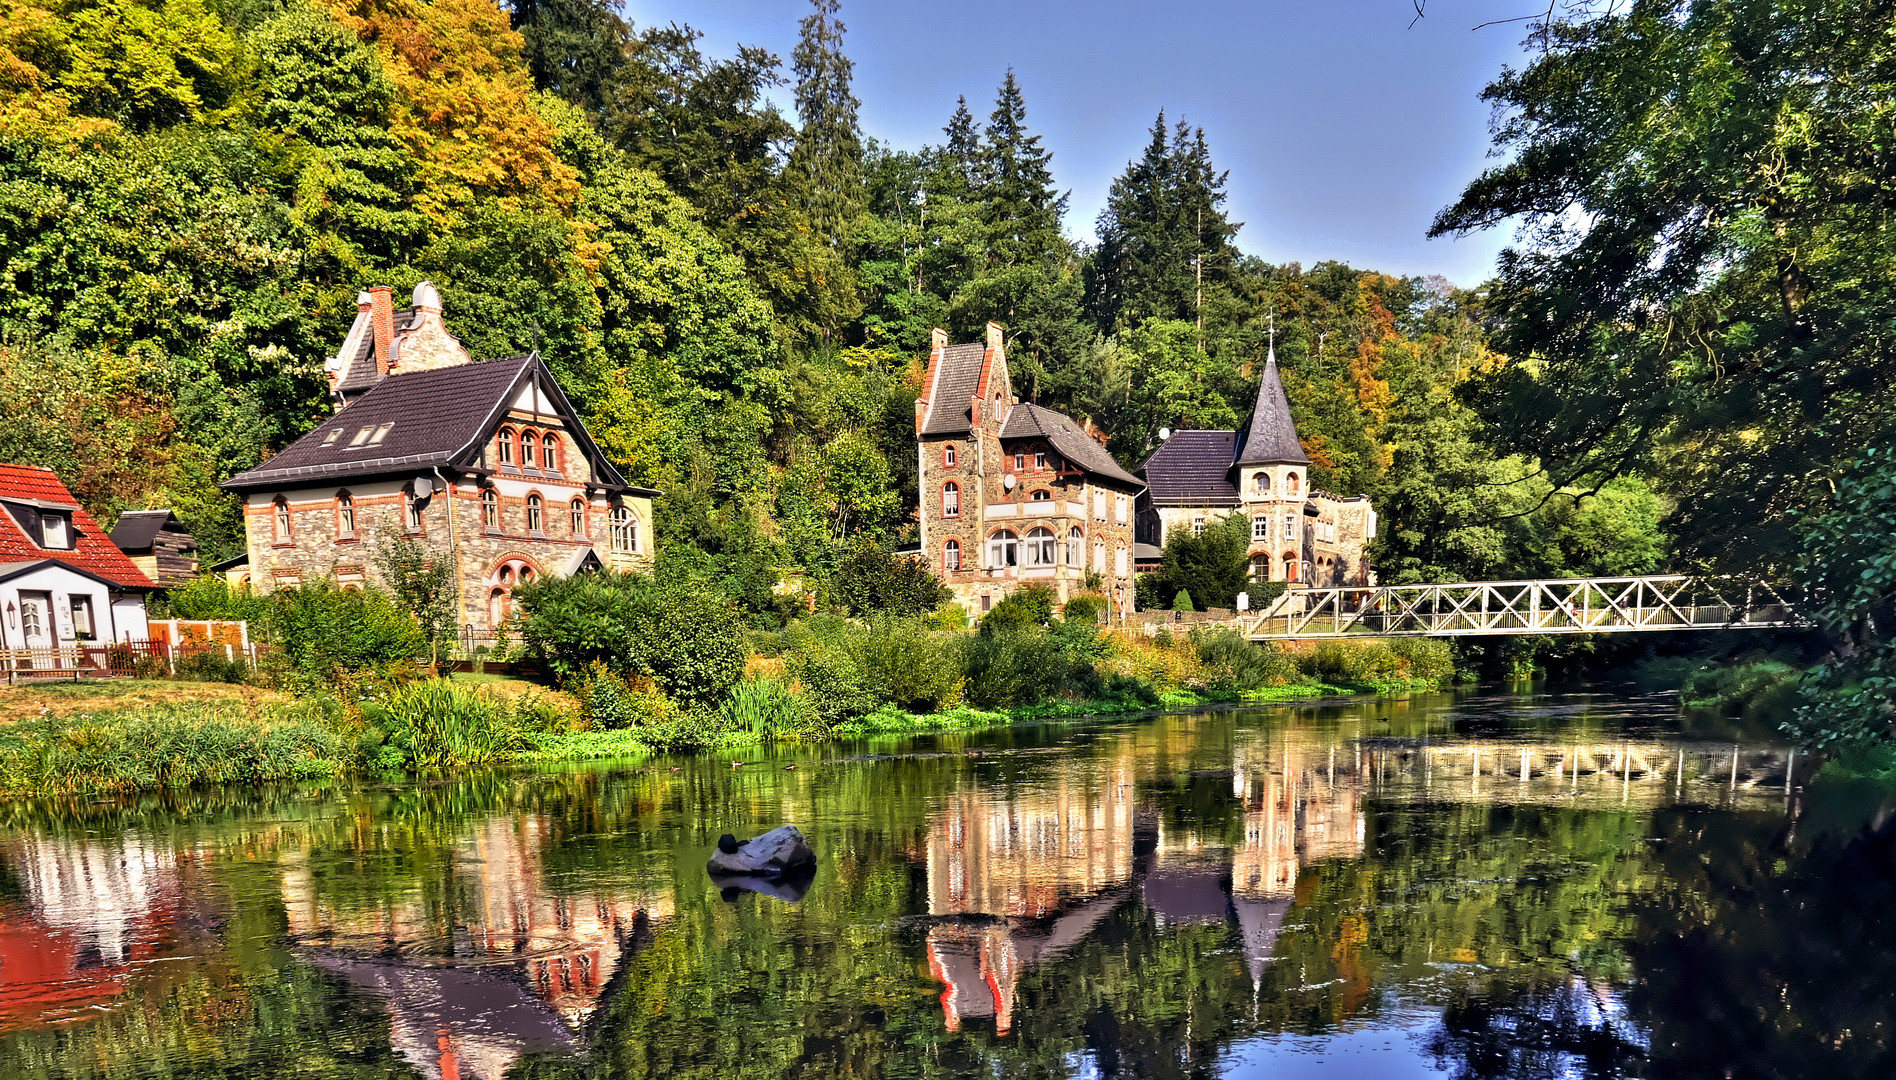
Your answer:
<point x="1165" y="245"/>
<point x="574" y="48"/>
<point x="827" y="161"/>
<point x="960" y="157"/>
<point x="1019" y="206"/>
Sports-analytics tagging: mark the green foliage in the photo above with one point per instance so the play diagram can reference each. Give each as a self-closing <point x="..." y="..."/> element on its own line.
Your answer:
<point x="167" y="746"/>
<point x="1209" y="568"/>
<point x="765" y="708"/>
<point x="872" y="581"/>
<point x="1182" y="601"/>
<point x="1850" y="562"/>
<point x="423" y="586"/>
<point x="1027" y="606"/>
<point x="685" y="638"/>
<point x="1229" y="661"/>
<point x="434" y="724"/>
<point x="1084" y="608"/>
<point x="209" y="596"/>
<point x="325" y="635"/>
<point x="1393" y="664"/>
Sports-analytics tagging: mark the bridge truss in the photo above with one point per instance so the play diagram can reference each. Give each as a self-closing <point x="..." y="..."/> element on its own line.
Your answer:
<point x="1550" y="606"/>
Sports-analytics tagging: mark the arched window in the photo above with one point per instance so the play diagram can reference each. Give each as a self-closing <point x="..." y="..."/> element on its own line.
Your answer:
<point x="1003" y="550"/>
<point x="496" y="607"/>
<point x="529" y="450"/>
<point x="1119" y="561"/>
<point x="625" y="531"/>
<point x="506" y="575"/>
<point x="579" y="517"/>
<point x="549" y="453"/>
<point x="345" y="516"/>
<point x="951" y="499"/>
<point x="490" y="510"/>
<point x="505" y="446"/>
<point x="280" y="518"/>
<point x="1099" y="556"/>
<point x="948" y="456"/>
<point x="1290" y="566"/>
<point x="951" y="555"/>
<point x="1290" y="483"/>
<point x="1261" y="568"/>
<point x="536" y="514"/>
<point x="1041" y="495"/>
<point x="1263" y="483"/>
<point x="1042" y="548"/>
<point x="1076" y="547"/>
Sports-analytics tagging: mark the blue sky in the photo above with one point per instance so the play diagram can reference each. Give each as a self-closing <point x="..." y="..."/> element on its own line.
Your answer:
<point x="1344" y="128"/>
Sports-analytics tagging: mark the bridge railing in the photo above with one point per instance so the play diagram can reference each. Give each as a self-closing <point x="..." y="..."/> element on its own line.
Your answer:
<point x="1543" y="606"/>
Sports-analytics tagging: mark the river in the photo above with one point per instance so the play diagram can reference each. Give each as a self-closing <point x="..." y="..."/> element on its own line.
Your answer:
<point x="1474" y="885"/>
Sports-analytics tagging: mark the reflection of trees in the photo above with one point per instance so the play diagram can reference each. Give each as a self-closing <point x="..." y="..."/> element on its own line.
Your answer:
<point x="1534" y="1030"/>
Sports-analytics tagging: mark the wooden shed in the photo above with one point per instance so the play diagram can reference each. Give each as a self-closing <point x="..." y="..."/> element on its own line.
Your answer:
<point x="158" y="544"/>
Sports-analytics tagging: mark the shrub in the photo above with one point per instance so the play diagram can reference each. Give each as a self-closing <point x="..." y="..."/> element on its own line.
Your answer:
<point x="687" y="639"/>
<point x="209" y="596"/>
<point x="1212" y="565"/>
<point x="1014" y="665"/>
<point x="834" y="686"/>
<point x="905" y="663"/>
<point x="949" y="616"/>
<point x="872" y="581"/>
<point x="1028" y="606"/>
<point x="211" y="666"/>
<point x="1229" y="661"/>
<point x="325" y="634"/>
<point x="1182" y="601"/>
<point x="1084" y="608"/>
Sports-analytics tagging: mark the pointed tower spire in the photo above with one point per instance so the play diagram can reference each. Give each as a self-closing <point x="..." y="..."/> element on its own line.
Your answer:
<point x="1271" y="438"/>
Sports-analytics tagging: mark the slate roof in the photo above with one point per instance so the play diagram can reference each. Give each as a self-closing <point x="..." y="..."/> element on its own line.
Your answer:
<point x="1067" y="437"/>
<point x="1192" y="468"/>
<point x="439" y="417"/>
<point x="1271" y="437"/>
<point x="956" y="376"/>
<point x="358" y="369"/>
<point x="137" y="530"/>
<point x="92" y="552"/>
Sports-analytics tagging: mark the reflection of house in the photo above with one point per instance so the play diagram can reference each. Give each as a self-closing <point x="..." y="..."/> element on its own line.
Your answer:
<point x="62" y="583"/>
<point x="511" y="969"/>
<point x="485" y="463"/>
<point x="1297" y="534"/>
<point x="91" y="912"/>
<point x="157" y="543"/>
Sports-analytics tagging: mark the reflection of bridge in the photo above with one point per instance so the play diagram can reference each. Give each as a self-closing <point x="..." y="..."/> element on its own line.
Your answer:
<point x="1548" y="606"/>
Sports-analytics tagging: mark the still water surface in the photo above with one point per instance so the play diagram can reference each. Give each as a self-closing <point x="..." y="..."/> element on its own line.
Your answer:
<point x="1485" y="885"/>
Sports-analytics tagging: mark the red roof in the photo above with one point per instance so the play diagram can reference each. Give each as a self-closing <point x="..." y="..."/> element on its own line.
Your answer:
<point x="94" y="552"/>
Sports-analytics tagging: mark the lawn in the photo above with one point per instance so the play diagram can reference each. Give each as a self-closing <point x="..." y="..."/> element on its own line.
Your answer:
<point x="61" y="700"/>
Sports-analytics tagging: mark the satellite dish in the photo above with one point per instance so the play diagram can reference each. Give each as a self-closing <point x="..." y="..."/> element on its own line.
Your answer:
<point x="424" y="487"/>
<point x="1165" y="433"/>
<point x="1008" y="481"/>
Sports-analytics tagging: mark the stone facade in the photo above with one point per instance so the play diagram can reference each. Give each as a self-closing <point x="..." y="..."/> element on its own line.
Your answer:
<point x="486" y="464"/>
<point x="1017" y="495"/>
<point x="1330" y="548"/>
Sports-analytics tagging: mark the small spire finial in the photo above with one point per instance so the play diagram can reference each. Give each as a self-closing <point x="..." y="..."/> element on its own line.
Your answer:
<point x="1271" y="318"/>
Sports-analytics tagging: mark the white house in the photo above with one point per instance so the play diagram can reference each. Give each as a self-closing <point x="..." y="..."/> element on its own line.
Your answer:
<point x="63" y="584"/>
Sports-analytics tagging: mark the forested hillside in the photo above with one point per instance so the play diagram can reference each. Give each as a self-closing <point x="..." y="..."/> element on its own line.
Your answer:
<point x="193" y="191"/>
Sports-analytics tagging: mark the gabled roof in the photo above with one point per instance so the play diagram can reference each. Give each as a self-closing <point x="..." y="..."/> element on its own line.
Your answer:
<point x="92" y="552"/>
<point x="1067" y="437"/>
<point x="1192" y="468"/>
<point x="1271" y="437"/>
<point x="438" y="417"/>
<point x="137" y="530"/>
<point x="956" y="377"/>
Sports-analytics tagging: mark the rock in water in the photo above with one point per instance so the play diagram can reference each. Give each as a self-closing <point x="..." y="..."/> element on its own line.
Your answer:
<point x="776" y="853"/>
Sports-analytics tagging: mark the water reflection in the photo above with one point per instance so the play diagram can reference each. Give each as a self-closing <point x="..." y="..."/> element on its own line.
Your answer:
<point x="1484" y="887"/>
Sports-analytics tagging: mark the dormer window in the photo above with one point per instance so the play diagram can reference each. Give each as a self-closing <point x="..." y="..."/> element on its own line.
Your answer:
<point x="47" y="526"/>
<point x="334" y="434"/>
<point x="362" y="437"/>
<point x="380" y="434"/>
<point x="55" y="530"/>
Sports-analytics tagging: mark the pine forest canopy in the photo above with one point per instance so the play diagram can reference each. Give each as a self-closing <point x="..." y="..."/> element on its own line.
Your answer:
<point x="193" y="191"/>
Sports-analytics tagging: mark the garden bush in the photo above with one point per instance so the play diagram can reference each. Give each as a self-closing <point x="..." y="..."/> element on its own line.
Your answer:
<point x="1084" y="608"/>
<point x="687" y="639"/>
<point x="1227" y="660"/>
<point x="435" y="724"/>
<point x="1029" y="606"/>
<point x="325" y="635"/>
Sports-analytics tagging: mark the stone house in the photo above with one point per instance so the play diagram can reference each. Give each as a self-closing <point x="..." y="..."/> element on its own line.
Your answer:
<point x="1014" y="493"/>
<point x="486" y="463"/>
<point x="1298" y="535"/>
<point x="159" y="545"/>
<point x="62" y="583"/>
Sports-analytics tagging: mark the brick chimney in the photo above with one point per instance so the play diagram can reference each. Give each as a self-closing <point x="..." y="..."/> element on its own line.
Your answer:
<point x="382" y="319"/>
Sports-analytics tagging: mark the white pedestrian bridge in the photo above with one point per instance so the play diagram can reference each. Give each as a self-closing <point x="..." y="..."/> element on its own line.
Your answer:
<point x="1603" y="605"/>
